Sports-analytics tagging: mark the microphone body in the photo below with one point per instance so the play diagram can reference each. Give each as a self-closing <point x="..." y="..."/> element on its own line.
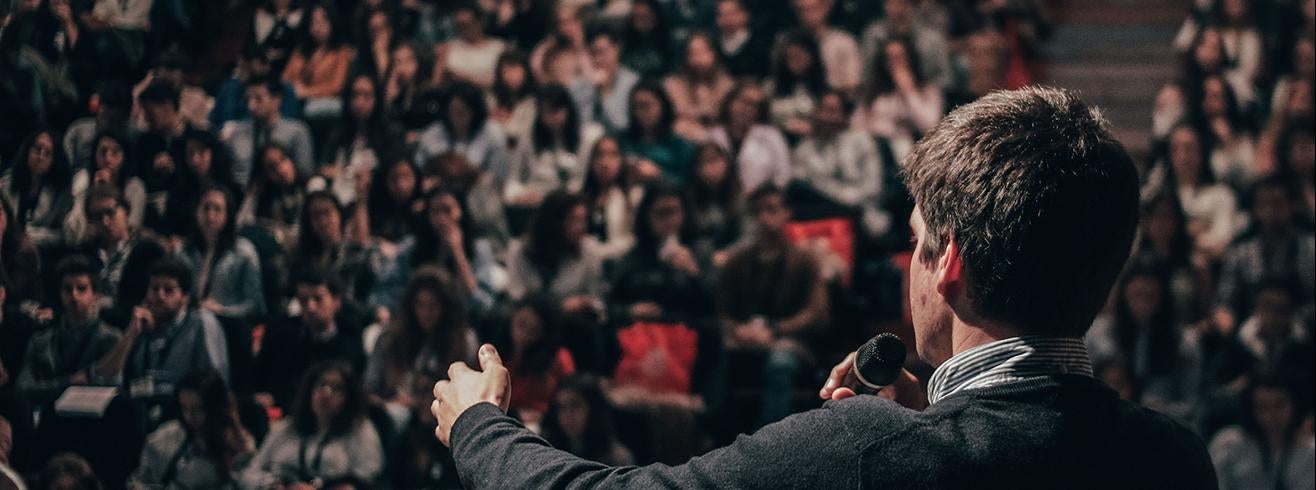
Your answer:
<point x="879" y="361"/>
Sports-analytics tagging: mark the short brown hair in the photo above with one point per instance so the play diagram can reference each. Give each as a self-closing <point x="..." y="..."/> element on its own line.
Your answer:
<point x="1041" y="199"/>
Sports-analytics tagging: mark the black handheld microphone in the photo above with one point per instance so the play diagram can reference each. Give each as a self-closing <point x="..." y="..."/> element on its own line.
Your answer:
<point x="879" y="361"/>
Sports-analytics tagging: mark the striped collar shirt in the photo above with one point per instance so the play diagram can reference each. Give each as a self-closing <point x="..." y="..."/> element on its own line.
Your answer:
<point x="1009" y="360"/>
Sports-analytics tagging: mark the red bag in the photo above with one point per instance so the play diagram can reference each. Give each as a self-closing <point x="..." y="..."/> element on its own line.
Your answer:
<point x="658" y="357"/>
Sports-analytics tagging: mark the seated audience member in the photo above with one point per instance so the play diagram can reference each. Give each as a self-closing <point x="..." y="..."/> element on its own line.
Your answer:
<point x="662" y="278"/>
<point x="170" y="68"/>
<point x="19" y="258"/>
<point x="603" y="94"/>
<point x="72" y="350"/>
<point x="108" y="168"/>
<point x="715" y="197"/>
<point x="408" y="79"/>
<point x="1211" y="208"/>
<point x="231" y="98"/>
<point x="464" y="127"/>
<point x="224" y="266"/>
<point x="1165" y="244"/>
<point x="161" y="151"/>
<point x="328" y="435"/>
<point x="16" y="330"/>
<point x="322" y="331"/>
<point x="535" y="356"/>
<point x="698" y="88"/>
<point x="363" y="139"/>
<point x="554" y="153"/>
<point x="113" y="244"/>
<point x="759" y="148"/>
<point x="1277" y="248"/>
<point x="429" y="332"/>
<point x="797" y="83"/>
<point x="560" y="261"/>
<point x="395" y="204"/>
<point x="447" y="242"/>
<point x="899" y="105"/>
<point x="1269" y="447"/>
<point x="840" y="167"/>
<point x="1233" y="141"/>
<point x="67" y="471"/>
<point x="580" y="421"/>
<point x="1272" y="342"/>
<point x="1296" y="159"/>
<point x="512" y="98"/>
<point x="326" y="245"/>
<point x="567" y="42"/>
<point x="770" y="296"/>
<point x="481" y="196"/>
<point x="471" y="56"/>
<point x="741" y="47"/>
<point x="650" y="143"/>
<point x="274" y="200"/>
<point x="1164" y="361"/>
<point x="607" y="193"/>
<point x="205" y="447"/>
<point x="840" y="52"/>
<point x="647" y="40"/>
<point x="318" y="67"/>
<point x="166" y="338"/>
<point x="207" y="164"/>
<point x="901" y="20"/>
<point x="114" y="104"/>
<point x="246" y="138"/>
<point x="37" y="186"/>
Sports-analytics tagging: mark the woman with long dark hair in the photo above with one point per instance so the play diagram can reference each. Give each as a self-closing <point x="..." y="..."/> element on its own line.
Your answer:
<point x="225" y="267"/>
<point x="512" y="99"/>
<point x="37" y="185"/>
<point x="580" y="422"/>
<point x="899" y="104"/>
<point x="1164" y="360"/>
<point x="464" y="127"/>
<point x="662" y="278"/>
<point x="1211" y="208"/>
<point x="607" y="192"/>
<point x="207" y="164"/>
<point x="553" y="156"/>
<point x="1234" y="138"/>
<point x="699" y="87"/>
<point x="1165" y="244"/>
<point x="559" y="260"/>
<point x="1268" y="448"/>
<point x="206" y="447"/>
<point x="650" y="141"/>
<point x="328" y="436"/>
<point x="324" y="245"/>
<point x="274" y="200"/>
<point x="429" y="331"/>
<point x="716" y="197"/>
<point x="363" y="138"/>
<point x="797" y="82"/>
<point x="319" y="65"/>
<point x="394" y="205"/>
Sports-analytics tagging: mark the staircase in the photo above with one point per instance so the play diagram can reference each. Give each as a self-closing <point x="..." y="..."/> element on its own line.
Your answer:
<point x="1116" y="54"/>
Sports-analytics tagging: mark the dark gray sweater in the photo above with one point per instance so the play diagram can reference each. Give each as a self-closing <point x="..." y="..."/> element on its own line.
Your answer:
<point x="1054" y="432"/>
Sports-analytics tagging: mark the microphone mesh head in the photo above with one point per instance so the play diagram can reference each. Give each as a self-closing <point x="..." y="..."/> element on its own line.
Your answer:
<point x="879" y="360"/>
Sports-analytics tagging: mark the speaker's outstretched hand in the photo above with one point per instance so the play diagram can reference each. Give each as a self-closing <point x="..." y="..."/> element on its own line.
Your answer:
<point x="466" y="388"/>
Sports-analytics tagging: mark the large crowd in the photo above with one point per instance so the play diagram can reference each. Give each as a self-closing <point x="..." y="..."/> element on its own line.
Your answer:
<point x="272" y="225"/>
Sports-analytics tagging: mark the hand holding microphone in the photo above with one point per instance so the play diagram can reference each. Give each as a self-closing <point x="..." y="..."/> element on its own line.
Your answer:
<point x="878" y="367"/>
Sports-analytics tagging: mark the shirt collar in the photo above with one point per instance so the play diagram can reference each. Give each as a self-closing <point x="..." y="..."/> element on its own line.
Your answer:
<point x="1009" y="360"/>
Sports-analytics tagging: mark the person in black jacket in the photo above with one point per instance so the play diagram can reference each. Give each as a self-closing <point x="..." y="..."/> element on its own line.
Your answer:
<point x="1025" y="211"/>
<point x="323" y="331"/>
